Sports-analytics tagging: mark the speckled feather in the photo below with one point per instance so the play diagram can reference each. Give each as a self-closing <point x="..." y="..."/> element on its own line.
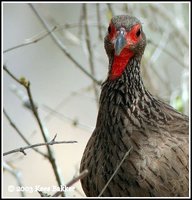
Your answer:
<point x="130" y="117"/>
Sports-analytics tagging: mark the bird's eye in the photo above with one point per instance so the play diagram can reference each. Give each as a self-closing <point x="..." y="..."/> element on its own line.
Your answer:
<point x="138" y="33"/>
<point x="109" y="29"/>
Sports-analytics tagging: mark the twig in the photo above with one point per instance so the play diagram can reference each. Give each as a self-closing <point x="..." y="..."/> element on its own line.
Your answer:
<point x="89" y="48"/>
<point x="74" y="180"/>
<point x="157" y="52"/>
<point x="22" y="149"/>
<point x="124" y="157"/>
<point x="110" y="9"/>
<point x="63" y="117"/>
<point x="81" y="22"/>
<point x="81" y="175"/>
<point x="22" y="96"/>
<point x="168" y="16"/>
<point x="45" y="137"/>
<point x="53" y="112"/>
<point x="74" y="25"/>
<point x="125" y="6"/>
<point x="40" y="36"/>
<point x="31" y="40"/>
<point x="146" y="74"/>
<point x="43" y="194"/>
<point x="167" y="52"/>
<point x="16" y="174"/>
<point x="99" y="21"/>
<point x="61" y="45"/>
<point x="51" y="156"/>
<point x="21" y="134"/>
<point x="10" y="74"/>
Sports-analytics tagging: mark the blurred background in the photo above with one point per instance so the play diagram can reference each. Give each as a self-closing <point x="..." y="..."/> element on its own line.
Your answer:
<point x="66" y="96"/>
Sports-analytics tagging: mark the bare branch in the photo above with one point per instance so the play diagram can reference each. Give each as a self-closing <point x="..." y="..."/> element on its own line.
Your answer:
<point x="45" y="137"/>
<point x="124" y="157"/>
<point x="163" y="11"/>
<point x="167" y="52"/>
<point x="110" y="9"/>
<point x="32" y="40"/>
<point x="52" y="142"/>
<point x="156" y="53"/>
<point x="15" y="127"/>
<point x="61" y="45"/>
<point x="89" y="48"/>
<point x="74" y="180"/>
<point x="81" y="22"/>
<point x="99" y="21"/>
<point x="51" y="156"/>
<point x="40" y="36"/>
<point x="74" y="25"/>
<point x="54" y="137"/>
<point x="16" y="175"/>
<point x="81" y="175"/>
<point x="21" y="134"/>
<point x="21" y="150"/>
<point x="63" y="117"/>
<point x="43" y="194"/>
<point x="125" y="8"/>
<point x="10" y="74"/>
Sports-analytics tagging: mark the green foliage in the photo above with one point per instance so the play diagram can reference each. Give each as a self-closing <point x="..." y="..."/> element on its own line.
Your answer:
<point x="178" y="104"/>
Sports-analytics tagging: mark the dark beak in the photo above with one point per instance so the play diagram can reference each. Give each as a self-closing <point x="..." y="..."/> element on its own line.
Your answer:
<point x="120" y="42"/>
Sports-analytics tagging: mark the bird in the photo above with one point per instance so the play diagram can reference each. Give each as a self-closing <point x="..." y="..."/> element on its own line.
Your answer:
<point x="139" y="147"/>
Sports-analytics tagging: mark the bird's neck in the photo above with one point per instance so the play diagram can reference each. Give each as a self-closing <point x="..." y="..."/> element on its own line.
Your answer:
<point x="126" y="88"/>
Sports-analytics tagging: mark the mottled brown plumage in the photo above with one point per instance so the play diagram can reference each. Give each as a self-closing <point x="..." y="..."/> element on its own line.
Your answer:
<point x="130" y="118"/>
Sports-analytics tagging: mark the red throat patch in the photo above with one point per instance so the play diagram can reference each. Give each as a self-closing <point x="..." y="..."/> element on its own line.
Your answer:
<point x="119" y="63"/>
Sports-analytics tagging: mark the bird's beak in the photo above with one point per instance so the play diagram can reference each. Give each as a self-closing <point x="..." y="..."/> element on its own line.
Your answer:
<point x="120" y="42"/>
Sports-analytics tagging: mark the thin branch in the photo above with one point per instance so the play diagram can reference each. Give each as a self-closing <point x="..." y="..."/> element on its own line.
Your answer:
<point x="15" y="127"/>
<point x="51" y="156"/>
<point x="74" y="25"/>
<point x="99" y="21"/>
<point x="74" y="122"/>
<point x="110" y="9"/>
<point x="168" y="16"/>
<point x="89" y="48"/>
<point x="21" y="134"/>
<point x="146" y="74"/>
<point x="125" y="8"/>
<point x="167" y="52"/>
<point x="40" y="36"/>
<point x="124" y="157"/>
<point x="81" y="22"/>
<point x="22" y="96"/>
<point x="156" y="53"/>
<point x="22" y="149"/>
<point x="32" y="40"/>
<point x="45" y="137"/>
<point x="16" y="175"/>
<point x="10" y="74"/>
<point x="54" y="112"/>
<point x="43" y="194"/>
<point x="61" y="46"/>
<point x="74" y="180"/>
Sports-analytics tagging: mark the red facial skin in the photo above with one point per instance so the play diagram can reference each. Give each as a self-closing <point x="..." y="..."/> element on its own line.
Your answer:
<point x="121" y="61"/>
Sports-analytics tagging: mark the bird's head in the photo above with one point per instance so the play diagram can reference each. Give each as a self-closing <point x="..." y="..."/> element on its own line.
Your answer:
<point x="125" y="39"/>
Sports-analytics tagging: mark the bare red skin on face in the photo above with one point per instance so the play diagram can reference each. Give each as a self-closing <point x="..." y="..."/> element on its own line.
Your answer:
<point x="120" y="61"/>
